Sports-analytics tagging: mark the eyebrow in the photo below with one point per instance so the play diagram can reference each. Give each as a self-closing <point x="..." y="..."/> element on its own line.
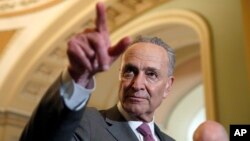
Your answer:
<point x="152" y="69"/>
<point x="129" y="65"/>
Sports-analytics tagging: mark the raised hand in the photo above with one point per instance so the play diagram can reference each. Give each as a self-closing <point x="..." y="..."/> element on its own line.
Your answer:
<point x="90" y="52"/>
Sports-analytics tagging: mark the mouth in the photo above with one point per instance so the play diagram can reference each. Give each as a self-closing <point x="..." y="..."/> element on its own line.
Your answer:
<point x="136" y="99"/>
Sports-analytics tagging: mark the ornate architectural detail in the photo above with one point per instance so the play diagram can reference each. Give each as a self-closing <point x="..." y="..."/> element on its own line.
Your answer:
<point x="122" y="11"/>
<point x="46" y="72"/>
<point x="16" y="7"/>
<point x="10" y="120"/>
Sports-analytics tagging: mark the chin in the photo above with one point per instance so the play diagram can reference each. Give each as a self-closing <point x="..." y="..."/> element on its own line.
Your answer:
<point x="134" y="109"/>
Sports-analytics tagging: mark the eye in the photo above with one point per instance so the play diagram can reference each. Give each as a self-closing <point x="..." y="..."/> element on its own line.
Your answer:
<point x="128" y="72"/>
<point x="152" y="74"/>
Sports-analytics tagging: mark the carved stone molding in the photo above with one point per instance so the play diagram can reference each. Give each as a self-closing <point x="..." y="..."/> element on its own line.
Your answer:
<point x="46" y="72"/>
<point x="11" y="125"/>
<point x="19" y="7"/>
<point x="122" y="11"/>
<point x="12" y="118"/>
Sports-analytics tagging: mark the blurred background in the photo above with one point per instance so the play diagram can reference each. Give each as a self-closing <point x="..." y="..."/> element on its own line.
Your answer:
<point x="211" y="39"/>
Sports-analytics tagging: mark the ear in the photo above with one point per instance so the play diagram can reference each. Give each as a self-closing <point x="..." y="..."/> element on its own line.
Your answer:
<point x="169" y="84"/>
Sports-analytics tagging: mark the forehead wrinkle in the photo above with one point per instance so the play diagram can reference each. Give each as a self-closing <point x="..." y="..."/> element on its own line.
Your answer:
<point x="146" y="53"/>
<point x="144" y="57"/>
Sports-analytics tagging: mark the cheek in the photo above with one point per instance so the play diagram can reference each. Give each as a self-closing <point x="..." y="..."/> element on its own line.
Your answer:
<point x="157" y="93"/>
<point x="122" y="89"/>
<point x="124" y="84"/>
<point x="155" y="101"/>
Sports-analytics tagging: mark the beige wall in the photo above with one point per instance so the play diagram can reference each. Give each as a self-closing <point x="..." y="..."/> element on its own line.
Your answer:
<point x="232" y="93"/>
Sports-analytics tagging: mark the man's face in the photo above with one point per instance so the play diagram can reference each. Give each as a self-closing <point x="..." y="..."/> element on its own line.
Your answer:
<point x="144" y="82"/>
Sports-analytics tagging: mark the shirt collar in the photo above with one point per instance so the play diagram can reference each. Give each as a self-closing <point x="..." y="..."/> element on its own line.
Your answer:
<point x="134" y="124"/>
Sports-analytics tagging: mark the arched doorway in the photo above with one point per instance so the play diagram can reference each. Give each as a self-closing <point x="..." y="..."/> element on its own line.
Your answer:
<point x="187" y="33"/>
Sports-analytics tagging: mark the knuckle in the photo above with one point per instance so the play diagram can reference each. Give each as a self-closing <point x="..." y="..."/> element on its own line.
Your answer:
<point x="96" y="35"/>
<point x="91" y="53"/>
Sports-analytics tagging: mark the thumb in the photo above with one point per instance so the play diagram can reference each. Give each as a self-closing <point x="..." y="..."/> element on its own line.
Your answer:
<point x="120" y="47"/>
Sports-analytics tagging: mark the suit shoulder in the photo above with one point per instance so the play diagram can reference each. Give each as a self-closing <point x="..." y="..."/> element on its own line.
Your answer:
<point x="91" y="111"/>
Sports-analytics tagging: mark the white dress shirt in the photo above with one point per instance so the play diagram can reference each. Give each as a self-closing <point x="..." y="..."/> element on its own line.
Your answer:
<point x="74" y="95"/>
<point x="135" y="124"/>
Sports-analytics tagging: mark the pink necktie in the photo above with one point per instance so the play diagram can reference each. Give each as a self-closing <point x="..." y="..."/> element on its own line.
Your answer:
<point x="146" y="132"/>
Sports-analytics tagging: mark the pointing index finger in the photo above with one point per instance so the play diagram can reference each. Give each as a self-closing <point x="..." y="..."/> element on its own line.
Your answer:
<point x="101" y="24"/>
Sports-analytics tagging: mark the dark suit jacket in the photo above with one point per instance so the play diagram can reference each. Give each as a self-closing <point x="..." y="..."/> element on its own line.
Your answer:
<point x="53" y="121"/>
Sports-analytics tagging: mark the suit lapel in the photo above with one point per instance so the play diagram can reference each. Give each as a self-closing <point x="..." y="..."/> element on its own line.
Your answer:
<point x="118" y="126"/>
<point x="159" y="133"/>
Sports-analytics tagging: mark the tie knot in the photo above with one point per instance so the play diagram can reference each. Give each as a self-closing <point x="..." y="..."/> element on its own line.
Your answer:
<point x="144" y="129"/>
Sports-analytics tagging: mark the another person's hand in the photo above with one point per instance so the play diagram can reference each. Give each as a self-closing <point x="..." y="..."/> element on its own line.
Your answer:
<point x="90" y="52"/>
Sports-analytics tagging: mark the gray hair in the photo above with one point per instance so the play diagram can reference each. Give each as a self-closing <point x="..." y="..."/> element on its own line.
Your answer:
<point x="158" y="41"/>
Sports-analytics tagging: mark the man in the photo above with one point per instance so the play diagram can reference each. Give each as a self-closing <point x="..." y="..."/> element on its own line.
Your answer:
<point x="210" y="131"/>
<point x="146" y="76"/>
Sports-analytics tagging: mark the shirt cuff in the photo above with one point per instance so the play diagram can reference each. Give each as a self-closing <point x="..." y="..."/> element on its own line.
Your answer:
<point x="74" y="95"/>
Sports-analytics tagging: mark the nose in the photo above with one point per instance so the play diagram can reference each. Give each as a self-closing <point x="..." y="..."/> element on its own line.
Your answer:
<point x="139" y="82"/>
